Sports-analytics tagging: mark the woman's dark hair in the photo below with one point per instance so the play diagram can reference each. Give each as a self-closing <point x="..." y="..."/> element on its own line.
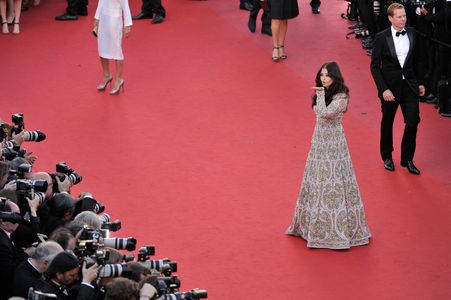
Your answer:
<point x="337" y="86"/>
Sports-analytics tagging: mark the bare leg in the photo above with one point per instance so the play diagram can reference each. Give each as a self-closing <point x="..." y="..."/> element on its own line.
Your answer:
<point x="5" y="29"/>
<point x="275" y="28"/>
<point x="10" y="11"/>
<point x="119" y="70"/>
<point x="17" y="9"/>
<point x="282" y="35"/>
<point x="106" y="73"/>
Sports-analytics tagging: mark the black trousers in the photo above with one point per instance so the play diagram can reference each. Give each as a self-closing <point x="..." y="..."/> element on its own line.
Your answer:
<point x="151" y="7"/>
<point x="315" y="3"/>
<point x="410" y="108"/>
<point x="366" y="13"/>
<point x="266" y="19"/>
<point x="75" y="7"/>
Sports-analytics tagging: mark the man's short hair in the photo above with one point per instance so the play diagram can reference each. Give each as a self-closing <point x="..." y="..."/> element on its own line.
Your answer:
<point x="122" y="289"/>
<point x="61" y="235"/>
<point x="394" y="6"/>
<point x="47" y="251"/>
<point x="89" y="218"/>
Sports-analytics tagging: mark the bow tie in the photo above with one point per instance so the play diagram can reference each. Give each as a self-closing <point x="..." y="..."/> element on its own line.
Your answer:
<point x="401" y="33"/>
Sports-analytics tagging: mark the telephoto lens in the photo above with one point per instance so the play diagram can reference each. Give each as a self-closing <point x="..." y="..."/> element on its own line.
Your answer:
<point x="121" y="243"/>
<point x="34" y="136"/>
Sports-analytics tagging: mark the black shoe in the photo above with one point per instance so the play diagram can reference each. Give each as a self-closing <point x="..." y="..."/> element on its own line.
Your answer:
<point x="388" y="164"/>
<point x="141" y="16"/>
<point x="267" y="30"/>
<point x="431" y="98"/>
<point x="66" y="17"/>
<point x="246" y="6"/>
<point x="315" y="10"/>
<point x="411" y="167"/>
<point x="157" y="19"/>
<point x="369" y="52"/>
<point x="251" y="24"/>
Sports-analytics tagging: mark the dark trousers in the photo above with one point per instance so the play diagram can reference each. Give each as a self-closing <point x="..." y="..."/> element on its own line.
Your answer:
<point x="75" y="7"/>
<point x="366" y="13"/>
<point x="151" y="7"/>
<point x="266" y="19"/>
<point x="315" y="3"/>
<point x="409" y="103"/>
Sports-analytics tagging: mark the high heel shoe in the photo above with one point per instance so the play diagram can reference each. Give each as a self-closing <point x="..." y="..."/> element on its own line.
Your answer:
<point x="275" y="58"/>
<point x="283" y="56"/>
<point x="5" y="29"/>
<point x="102" y="86"/>
<point x="11" y="20"/>
<point x="16" y="29"/>
<point x="116" y="90"/>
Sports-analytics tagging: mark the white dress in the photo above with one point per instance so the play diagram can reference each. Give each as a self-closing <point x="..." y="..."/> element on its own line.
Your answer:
<point x="109" y="13"/>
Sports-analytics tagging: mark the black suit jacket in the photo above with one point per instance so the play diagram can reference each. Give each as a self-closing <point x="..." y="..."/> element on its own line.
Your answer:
<point x="84" y="292"/>
<point x="26" y="276"/>
<point x="10" y="258"/>
<point x="385" y="67"/>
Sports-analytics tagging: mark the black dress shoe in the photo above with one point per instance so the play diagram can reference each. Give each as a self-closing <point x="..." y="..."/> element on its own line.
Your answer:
<point x="157" y="19"/>
<point x="246" y="6"/>
<point x="251" y="24"/>
<point x="141" y="16"/>
<point x="267" y="30"/>
<point x="66" y="17"/>
<point x="411" y="167"/>
<point x="315" y="10"/>
<point x="388" y="164"/>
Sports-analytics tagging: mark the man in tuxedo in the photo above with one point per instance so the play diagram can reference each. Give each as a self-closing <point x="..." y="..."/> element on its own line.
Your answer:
<point x="29" y="271"/>
<point x="10" y="255"/>
<point x="149" y="8"/>
<point x="396" y="66"/>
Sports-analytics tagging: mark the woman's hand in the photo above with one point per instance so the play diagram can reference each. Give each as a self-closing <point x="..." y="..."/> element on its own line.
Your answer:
<point x="95" y="28"/>
<point x="127" y="30"/>
<point x="318" y="88"/>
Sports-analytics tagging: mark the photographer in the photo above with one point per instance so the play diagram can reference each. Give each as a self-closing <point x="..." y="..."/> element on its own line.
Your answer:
<point x="10" y="255"/>
<point x="62" y="274"/>
<point x="29" y="271"/>
<point x="440" y="17"/>
<point x="122" y="289"/>
<point x="61" y="208"/>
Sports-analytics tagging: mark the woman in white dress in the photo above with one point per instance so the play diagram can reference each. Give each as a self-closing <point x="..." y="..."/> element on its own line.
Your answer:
<point x="329" y="211"/>
<point x="109" y="28"/>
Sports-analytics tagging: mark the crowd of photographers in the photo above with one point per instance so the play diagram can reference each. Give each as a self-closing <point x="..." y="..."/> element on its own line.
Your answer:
<point x="57" y="246"/>
<point x="432" y="19"/>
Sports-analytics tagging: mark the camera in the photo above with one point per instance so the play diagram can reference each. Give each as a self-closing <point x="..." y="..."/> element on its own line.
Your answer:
<point x="361" y="33"/>
<point x="34" y="136"/>
<point x="106" y="224"/>
<point x="88" y="234"/>
<point x="37" y="295"/>
<point x="11" y="217"/>
<point x="113" y="270"/>
<point x="88" y="203"/>
<point x="165" y="266"/>
<point x="63" y="168"/>
<point x="191" y="295"/>
<point x="120" y="243"/>
<point x="145" y="252"/>
<point x="418" y="3"/>
<point x="13" y="150"/>
<point x="31" y="189"/>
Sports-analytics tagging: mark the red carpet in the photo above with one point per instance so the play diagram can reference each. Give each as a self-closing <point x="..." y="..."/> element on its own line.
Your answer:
<point x="204" y="152"/>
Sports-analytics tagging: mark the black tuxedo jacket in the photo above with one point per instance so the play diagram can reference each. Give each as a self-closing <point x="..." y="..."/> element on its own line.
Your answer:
<point x="26" y="276"/>
<point x="385" y="67"/>
<point x="10" y="258"/>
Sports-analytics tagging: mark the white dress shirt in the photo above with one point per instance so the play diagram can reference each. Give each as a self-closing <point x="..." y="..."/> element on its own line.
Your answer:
<point x="402" y="46"/>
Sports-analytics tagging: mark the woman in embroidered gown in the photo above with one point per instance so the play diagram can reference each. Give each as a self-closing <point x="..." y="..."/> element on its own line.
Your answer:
<point x="329" y="211"/>
<point x="109" y="26"/>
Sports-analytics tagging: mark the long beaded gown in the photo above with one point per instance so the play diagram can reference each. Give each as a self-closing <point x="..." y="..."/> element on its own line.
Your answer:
<point x="329" y="210"/>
